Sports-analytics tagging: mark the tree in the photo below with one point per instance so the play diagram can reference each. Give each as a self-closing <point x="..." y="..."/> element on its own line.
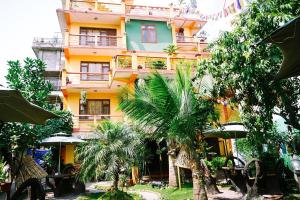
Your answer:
<point x="244" y="72"/>
<point x="174" y="112"/>
<point x="30" y="81"/>
<point x="112" y="154"/>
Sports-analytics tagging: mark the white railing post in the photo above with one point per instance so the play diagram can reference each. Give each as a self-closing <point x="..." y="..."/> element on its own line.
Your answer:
<point x="96" y="5"/>
<point x="96" y="40"/>
<point x="95" y="119"/>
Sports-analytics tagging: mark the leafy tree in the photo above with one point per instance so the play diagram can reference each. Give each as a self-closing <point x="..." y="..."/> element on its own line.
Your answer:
<point x="244" y="72"/>
<point x="174" y="112"/>
<point x="112" y="154"/>
<point x="30" y="81"/>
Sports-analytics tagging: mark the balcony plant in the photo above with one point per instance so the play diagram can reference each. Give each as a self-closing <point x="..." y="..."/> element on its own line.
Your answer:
<point x="124" y="62"/>
<point x="158" y="64"/>
<point x="83" y="95"/>
<point x="171" y="50"/>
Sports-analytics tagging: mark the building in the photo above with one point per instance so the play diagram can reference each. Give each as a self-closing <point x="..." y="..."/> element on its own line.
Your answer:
<point x="51" y="52"/>
<point x="111" y="45"/>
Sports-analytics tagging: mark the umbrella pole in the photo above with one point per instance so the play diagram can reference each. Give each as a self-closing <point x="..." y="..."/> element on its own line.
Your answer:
<point x="59" y="158"/>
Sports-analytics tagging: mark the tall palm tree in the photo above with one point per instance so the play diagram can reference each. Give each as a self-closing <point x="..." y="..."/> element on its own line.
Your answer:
<point x="112" y="154"/>
<point x="176" y="112"/>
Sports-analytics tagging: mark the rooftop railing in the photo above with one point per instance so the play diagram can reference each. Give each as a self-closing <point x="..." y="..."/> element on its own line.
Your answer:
<point x="130" y="9"/>
<point x="95" y="6"/>
<point x="47" y="42"/>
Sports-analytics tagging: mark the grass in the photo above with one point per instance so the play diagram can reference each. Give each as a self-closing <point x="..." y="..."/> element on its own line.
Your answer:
<point x="186" y="191"/>
<point x="118" y="195"/>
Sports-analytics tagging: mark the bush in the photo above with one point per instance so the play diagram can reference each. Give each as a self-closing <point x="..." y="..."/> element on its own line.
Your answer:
<point x="217" y="163"/>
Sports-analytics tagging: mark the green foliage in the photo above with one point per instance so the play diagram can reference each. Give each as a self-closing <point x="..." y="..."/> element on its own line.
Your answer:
<point x="30" y="81"/>
<point x="217" y="163"/>
<point x="159" y="64"/>
<point x="171" y="49"/>
<point x="247" y="71"/>
<point x="186" y="191"/>
<point x="3" y="173"/>
<point x="171" y="110"/>
<point x="63" y="124"/>
<point x="170" y="107"/>
<point x="110" y="155"/>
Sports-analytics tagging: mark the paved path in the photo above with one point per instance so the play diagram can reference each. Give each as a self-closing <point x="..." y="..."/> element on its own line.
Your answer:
<point x="146" y="195"/>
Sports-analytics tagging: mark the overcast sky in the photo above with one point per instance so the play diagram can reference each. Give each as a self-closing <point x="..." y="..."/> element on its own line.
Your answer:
<point x="22" y="20"/>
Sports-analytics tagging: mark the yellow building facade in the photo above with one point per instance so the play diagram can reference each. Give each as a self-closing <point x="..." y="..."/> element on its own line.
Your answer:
<point x="110" y="45"/>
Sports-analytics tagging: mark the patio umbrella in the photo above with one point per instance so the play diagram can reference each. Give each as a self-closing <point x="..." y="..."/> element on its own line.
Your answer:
<point x="287" y="38"/>
<point x="227" y="131"/>
<point x="58" y="140"/>
<point x="15" y="108"/>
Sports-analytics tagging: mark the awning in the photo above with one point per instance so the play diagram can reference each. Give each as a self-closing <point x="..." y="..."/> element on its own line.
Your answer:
<point x="15" y="108"/>
<point x="287" y="38"/>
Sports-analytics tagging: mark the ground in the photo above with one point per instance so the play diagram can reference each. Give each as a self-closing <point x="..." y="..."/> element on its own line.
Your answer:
<point x="147" y="193"/>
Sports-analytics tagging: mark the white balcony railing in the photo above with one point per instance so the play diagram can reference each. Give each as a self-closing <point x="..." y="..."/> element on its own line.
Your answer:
<point x="95" y="40"/>
<point x="79" y="77"/>
<point x="95" y="6"/>
<point x="86" y="122"/>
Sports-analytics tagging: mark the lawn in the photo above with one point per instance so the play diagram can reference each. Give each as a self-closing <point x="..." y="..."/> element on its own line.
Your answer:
<point x="110" y="196"/>
<point x="186" y="191"/>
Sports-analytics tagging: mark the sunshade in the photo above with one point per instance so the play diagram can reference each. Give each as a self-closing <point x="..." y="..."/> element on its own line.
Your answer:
<point x="287" y="38"/>
<point x="15" y="108"/>
<point x="227" y="131"/>
<point x="58" y="140"/>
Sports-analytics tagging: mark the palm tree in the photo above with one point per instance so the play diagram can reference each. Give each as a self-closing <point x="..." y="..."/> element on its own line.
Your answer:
<point x="175" y="111"/>
<point x="112" y="154"/>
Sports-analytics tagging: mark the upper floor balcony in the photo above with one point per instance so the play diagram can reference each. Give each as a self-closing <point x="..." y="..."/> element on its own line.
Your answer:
<point x="129" y="10"/>
<point x="92" y="44"/>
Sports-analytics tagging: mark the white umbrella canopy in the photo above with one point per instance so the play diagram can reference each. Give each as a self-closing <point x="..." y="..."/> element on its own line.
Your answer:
<point x="227" y="131"/>
<point x="15" y="108"/>
<point x="57" y="140"/>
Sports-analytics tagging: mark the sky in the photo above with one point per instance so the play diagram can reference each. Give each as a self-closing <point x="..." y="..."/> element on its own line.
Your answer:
<point x="22" y="20"/>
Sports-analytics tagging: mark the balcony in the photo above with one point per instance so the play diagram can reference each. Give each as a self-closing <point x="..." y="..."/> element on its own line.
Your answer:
<point x="87" y="122"/>
<point x="190" y="43"/>
<point x="87" y="79"/>
<point x="95" y="6"/>
<point x="105" y="45"/>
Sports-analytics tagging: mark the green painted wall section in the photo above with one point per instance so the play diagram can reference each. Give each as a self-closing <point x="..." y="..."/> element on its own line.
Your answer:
<point x="134" y="35"/>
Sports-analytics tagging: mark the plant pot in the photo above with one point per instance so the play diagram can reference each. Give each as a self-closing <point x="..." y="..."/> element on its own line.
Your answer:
<point x="5" y="187"/>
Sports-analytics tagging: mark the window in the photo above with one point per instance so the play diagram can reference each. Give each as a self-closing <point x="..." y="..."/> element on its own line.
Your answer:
<point x="105" y="37"/>
<point x="99" y="69"/>
<point x="148" y="34"/>
<point x="95" y="107"/>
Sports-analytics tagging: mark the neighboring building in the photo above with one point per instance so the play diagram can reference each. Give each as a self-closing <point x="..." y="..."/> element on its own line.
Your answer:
<point x="51" y="52"/>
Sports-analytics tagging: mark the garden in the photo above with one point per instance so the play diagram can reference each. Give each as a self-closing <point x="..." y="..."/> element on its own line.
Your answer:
<point x="167" y="145"/>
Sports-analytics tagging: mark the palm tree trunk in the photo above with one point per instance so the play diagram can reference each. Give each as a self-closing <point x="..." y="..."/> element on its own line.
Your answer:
<point x="172" y="172"/>
<point x="116" y="181"/>
<point x="199" y="191"/>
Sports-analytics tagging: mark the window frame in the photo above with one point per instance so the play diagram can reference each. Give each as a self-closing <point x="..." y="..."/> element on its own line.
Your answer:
<point x="142" y="38"/>
<point x="87" y="67"/>
<point x="86" y="109"/>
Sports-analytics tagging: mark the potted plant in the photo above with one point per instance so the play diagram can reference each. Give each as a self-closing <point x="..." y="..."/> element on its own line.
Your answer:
<point x="171" y="50"/>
